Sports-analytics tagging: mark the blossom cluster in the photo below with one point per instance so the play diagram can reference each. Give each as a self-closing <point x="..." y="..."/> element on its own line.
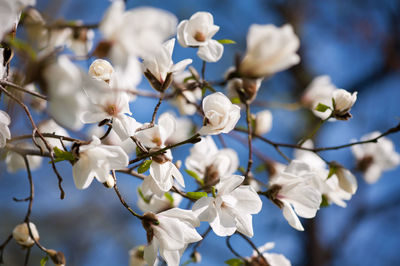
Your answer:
<point x="139" y="43"/>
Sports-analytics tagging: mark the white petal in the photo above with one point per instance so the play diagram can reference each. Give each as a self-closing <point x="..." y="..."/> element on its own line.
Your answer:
<point x="150" y="253"/>
<point x="291" y="217"/>
<point x="211" y="52"/>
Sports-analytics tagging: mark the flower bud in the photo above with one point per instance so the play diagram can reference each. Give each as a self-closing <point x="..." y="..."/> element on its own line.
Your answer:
<point x="196" y="257"/>
<point x="343" y="100"/>
<point x="21" y="234"/>
<point x="347" y="181"/>
<point x="263" y="122"/>
<point x="110" y="182"/>
<point x="57" y="257"/>
<point x="101" y="69"/>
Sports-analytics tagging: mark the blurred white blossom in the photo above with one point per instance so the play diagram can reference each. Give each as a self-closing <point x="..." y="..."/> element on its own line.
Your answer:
<point x="21" y="234"/>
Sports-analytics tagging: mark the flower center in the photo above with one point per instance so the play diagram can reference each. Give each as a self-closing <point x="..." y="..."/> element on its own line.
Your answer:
<point x="199" y="36"/>
<point x="112" y="110"/>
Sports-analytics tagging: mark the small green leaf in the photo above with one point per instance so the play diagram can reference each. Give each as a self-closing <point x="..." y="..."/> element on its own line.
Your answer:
<point x="169" y="197"/>
<point x="324" y="202"/>
<point x="226" y="41"/>
<point x="188" y="78"/>
<point x="196" y="195"/>
<point x="234" y="262"/>
<point x="322" y="107"/>
<point x="203" y="91"/>
<point x="23" y="46"/>
<point x="235" y="100"/>
<point x="260" y="168"/>
<point x="195" y="176"/>
<point x="61" y="155"/>
<point x="144" y="166"/>
<point x="332" y="171"/>
<point x="43" y="261"/>
<point x="147" y="200"/>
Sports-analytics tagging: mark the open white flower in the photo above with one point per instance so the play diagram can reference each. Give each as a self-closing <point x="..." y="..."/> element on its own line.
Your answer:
<point x="269" y="50"/>
<point x="374" y="158"/>
<point x="231" y="209"/>
<point x="15" y="161"/>
<point x="4" y="130"/>
<point x="211" y="164"/>
<point x="22" y="236"/>
<point x="95" y="161"/>
<point x="198" y="32"/>
<point x="67" y="100"/>
<point x="188" y="93"/>
<point x="169" y="232"/>
<point x="273" y="259"/>
<point x="136" y="32"/>
<point x="160" y="63"/>
<point x="294" y="191"/>
<point x="220" y="114"/>
<point x="10" y="11"/>
<point x="81" y="41"/>
<point x="263" y="122"/>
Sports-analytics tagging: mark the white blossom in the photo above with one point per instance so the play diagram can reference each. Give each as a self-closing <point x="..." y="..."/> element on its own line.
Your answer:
<point x="4" y="130"/>
<point x="211" y="164"/>
<point x="231" y="209"/>
<point x="67" y="100"/>
<point x="273" y="259"/>
<point x="294" y="191"/>
<point x="344" y="100"/>
<point x="263" y="122"/>
<point x="198" y="32"/>
<point x="95" y="161"/>
<point x="220" y="114"/>
<point x="50" y="126"/>
<point x="10" y="11"/>
<point x="101" y="69"/>
<point x="21" y="234"/>
<point x="136" y="32"/>
<point x="3" y="67"/>
<point x="172" y="232"/>
<point x="160" y="63"/>
<point x="374" y="158"/>
<point x="183" y="130"/>
<point x="154" y="203"/>
<point x="136" y="257"/>
<point x="15" y="161"/>
<point x="186" y="99"/>
<point x="81" y="41"/>
<point x="269" y="50"/>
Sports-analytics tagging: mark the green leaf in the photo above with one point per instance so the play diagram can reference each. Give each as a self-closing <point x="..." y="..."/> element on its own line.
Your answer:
<point x="147" y="200"/>
<point x="169" y="197"/>
<point x="322" y="107"/>
<point x="235" y="100"/>
<point x="144" y="166"/>
<point x="23" y="46"/>
<point x="203" y="91"/>
<point x="260" y="168"/>
<point x="332" y="171"/>
<point x="196" y="195"/>
<point x="43" y="261"/>
<point x="324" y="202"/>
<point x="188" y="78"/>
<point x="195" y="176"/>
<point x="226" y="41"/>
<point x="61" y="155"/>
<point x="234" y="262"/>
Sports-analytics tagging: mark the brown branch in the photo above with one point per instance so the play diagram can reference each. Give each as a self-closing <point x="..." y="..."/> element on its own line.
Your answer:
<point x="17" y="87"/>
<point x="35" y="130"/>
<point x="249" y="139"/>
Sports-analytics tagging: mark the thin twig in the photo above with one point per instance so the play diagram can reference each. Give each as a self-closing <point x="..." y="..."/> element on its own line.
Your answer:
<point x="28" y="253"/>
<point x="17" y="87"/>
<point x="254" y="247"/>
<point x="228" y="244"/>
<point x="249" y="138"/>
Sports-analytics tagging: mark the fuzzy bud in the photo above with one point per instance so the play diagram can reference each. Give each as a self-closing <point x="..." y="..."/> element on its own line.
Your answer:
<point x="343" y="100"/>
<point x="57" y="257"/>
<point x="22" y="236"/>
<point x="101" y="69"/>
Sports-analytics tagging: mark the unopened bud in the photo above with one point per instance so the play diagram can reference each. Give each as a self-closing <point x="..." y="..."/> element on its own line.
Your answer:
<point x="57" y="257"/>
<point x="343" y="101"/>
<point x="178" y="164"/>
<point x="22" y="236"/>
<point x="196" y="257"/>
<point x="101" y="69"/>
<point x="110" y="182"/>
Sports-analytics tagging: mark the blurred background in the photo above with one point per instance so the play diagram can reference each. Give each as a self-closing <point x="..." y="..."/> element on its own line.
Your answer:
<point x="356" y="43"/>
